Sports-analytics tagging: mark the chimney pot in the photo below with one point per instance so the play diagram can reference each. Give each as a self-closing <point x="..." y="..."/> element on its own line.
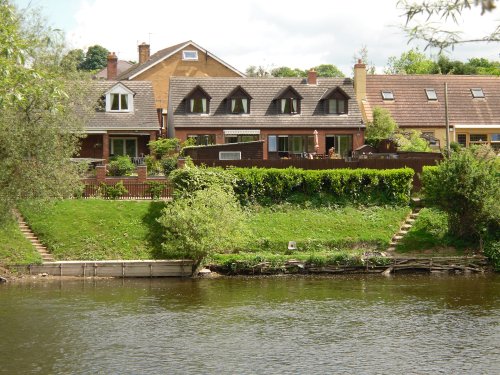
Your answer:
<point x="144" y="52"/>
<point x="112" y="67"/>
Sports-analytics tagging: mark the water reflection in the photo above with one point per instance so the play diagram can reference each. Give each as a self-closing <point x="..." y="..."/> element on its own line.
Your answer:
<point x="411" y="324"/>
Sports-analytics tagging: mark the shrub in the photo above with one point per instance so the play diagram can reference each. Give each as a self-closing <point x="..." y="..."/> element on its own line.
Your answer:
<point x="206" y="222"/>
<point x="492" y="251"/>
<point x="164" y="146"/>
<point x="186" y="181"/>
<point x="154" y="166"/>
<point x="112" y="191"/>
<point x="467" y="187"/>
<point x="168" y="165"/>
<point x="121" y="166"/>
<point x="155" y="188"/>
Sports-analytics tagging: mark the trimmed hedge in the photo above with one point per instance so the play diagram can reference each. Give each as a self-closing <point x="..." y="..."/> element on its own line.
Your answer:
<point x="271" y="185"/>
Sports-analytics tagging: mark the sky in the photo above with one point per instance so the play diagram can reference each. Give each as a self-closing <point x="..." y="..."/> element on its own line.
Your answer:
<point x="297" y="34"/>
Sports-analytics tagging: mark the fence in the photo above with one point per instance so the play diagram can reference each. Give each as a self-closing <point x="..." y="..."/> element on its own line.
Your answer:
<point x="414" y="163"/>
<point x="137" y="187"/>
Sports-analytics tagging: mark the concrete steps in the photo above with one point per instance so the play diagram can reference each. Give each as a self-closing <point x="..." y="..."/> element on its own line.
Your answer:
<point x="31" y="237"/>
<point x="405" y="228"/>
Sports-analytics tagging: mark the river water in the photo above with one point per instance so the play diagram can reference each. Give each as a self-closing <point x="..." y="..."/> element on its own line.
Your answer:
<point x="415" y="324"/>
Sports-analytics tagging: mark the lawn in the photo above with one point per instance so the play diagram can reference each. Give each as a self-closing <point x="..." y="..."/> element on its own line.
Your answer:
<point x="100" y="229"/>
<point x="14" y="247"/>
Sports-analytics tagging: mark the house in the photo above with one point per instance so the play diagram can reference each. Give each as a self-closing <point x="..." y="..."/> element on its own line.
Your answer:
<point x="292" y="116"/>
<point x="123" y="121"/>
<point x="186" y="59"/>
<point x="419" y="102"/>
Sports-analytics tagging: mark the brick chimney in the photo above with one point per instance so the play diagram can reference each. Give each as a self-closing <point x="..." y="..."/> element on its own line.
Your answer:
<point x="144" y="52"/>
<point x="112" y="69"/>
<point x="360" y="80"/>
<point x="312" y="77"/>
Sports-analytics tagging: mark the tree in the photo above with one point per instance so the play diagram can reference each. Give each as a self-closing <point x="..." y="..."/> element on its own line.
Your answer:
<point x="203" y="223"/>
<point x="467" y="187"/>
<point x="253" y="71"/>
<point x="362" y="54"/>
<point x="39" y="129"/>
<point x="474" y="66"/>
<point x="285" y="71"/>
<point x="328" y="70"/>
<point x="434" y="13"/>
<point x="411" y="141"/>
<point x="382" y="127"/>
<point x="411" y="62"/>
<point x="96" y="58"/>
<point x="73" y="60"/>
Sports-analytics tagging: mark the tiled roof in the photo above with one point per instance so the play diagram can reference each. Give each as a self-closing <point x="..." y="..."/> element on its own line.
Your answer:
<point x="144" y="116"/>
<point x="161" y="55"/>
<point x="263" y="108"/>
<point x="411" y="108"/>
<point x="122" y="66"/>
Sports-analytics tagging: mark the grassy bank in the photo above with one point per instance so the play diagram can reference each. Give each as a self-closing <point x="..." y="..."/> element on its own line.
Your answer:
<point x="99" y="230"/>
<point x="14" y="247"/>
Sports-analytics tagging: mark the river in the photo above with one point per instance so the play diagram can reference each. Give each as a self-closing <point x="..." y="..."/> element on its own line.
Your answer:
<point x="415" y="324"/>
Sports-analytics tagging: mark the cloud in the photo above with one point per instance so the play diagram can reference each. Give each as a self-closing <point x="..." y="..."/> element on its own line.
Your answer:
<point x="254" y="32"/>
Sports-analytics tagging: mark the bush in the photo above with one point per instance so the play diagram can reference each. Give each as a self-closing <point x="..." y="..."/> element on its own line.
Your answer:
<point x="164" y="146"/>
<point x="492" y="251"/>
<point x="186" y="181"/>
<point x="121" y="166"/>
<point x="168" y="165"/>
<point x="207" y="222"/>
<point x="155" y="188"/>
<point x="154" y="166"/>
<point x="112" y="191"/>
<point x="467" y="187"/>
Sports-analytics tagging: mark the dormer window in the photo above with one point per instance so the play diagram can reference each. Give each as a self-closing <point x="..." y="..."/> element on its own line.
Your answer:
<point x="431" y="94"/>
<point x="477" y="93"/>
<point x="198" y="101"/>
<point x="119" y="99"/>
<point x="288" y="101"/>
<point x="238" y="101"/>
<point x="335" y="101"/>
<point x="387" y="95"/>
<point x="190" y="55"/>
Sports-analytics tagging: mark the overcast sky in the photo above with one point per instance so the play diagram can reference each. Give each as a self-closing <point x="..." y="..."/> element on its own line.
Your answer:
<point x="271" y="33"/>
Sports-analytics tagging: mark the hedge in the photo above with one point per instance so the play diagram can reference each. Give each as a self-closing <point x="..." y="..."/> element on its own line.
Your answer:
<point x="271" y="185"/>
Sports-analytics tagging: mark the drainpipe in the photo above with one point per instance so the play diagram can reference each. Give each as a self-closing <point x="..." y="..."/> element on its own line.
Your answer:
<point x="447" y="119"/>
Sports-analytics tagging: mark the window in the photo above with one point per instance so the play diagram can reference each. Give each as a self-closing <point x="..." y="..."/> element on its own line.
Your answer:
<point x="431" y="94"/>
<point x="477" y="93"/>
<point x="229" y="155"/>
<point x="287" y="145"/>
<point x="288" y="101"/>
<point x="241" y="138"/>
<point x="495" y="137"/>
<point x="341" y="143"/>
<point x="238" y="101"/>
<point x="272" y="143"/>
<point x="198" y="101"/>
<point x="203" y="139"/>
<point x="119" y="99"/>
<point x="495" y="142"/>
<point x="462" y="139"/>
<point x="478" y="138"/>
<point x="239" y="105"/>
<point x="336" y="106"/>
<point x="190" y="55"/>
<point x="123" y="147"/>
<point x="335" y="101"/>
<point x="387" y="95"/>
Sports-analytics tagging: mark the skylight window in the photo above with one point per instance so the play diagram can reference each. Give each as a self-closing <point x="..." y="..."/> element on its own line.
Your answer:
<point x="477" y="93"/>
<point x="431" y="94"/>
<point x="387" y="95"/>
<point x="190" y="55"/>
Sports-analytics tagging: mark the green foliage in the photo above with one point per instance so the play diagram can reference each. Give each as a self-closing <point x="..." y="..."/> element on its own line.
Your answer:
<point x="164" y="147"/>
<point x="285" y="71"/>
<point x="169" y="164"/>
<point x="73" y="59"/>
<point x="269" y="186"/>
<point x="155" y="188"/>
<point x="154" y="166"/>
<point x="39" y="127"/>
<point x="208" y="221"/>
<point x="121" y="166"/>
<point x="492" y="251"/>
<point x="14" y="247"/>
<point x="328" y="70"/>
<point x="412" y="141"/>
<point x="112" y="191"/>
<point x="382" y="127"/>
<point x="411" y="62"/>
<point x="96" y="58"/>
<point x="467" y="187"/>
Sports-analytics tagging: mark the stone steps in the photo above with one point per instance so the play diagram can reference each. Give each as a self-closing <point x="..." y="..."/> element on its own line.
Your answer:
<point x="33" y="239"/>
<point x="405" y="228"/>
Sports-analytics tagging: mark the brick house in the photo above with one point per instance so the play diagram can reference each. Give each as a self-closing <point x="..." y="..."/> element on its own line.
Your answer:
<point x="123" y="122"/>
<point x="186" y="59"/>
<point x="289" y="114"/>
<point x="418" y="102"/>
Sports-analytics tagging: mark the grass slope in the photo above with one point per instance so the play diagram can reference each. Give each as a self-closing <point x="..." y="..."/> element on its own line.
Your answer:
<point x="14" y="247"/>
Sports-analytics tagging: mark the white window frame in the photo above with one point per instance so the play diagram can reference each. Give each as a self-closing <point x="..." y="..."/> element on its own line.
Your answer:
<point x="226" y="155"/>
<point x="112" y="146"/>
<point x="477" y="93"/>
<point x="387" y="95"/>
<point x="186" y="57"/>
<point x="120" y="90"/>
<point x="431" y="94"/>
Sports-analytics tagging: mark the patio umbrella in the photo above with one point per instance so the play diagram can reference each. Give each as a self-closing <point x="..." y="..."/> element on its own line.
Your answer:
<point x="316" y="141"/>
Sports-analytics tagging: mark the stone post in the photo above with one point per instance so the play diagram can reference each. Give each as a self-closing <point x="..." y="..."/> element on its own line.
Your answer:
<point x="100" y="173"/>
<point x="142" y="173"/>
